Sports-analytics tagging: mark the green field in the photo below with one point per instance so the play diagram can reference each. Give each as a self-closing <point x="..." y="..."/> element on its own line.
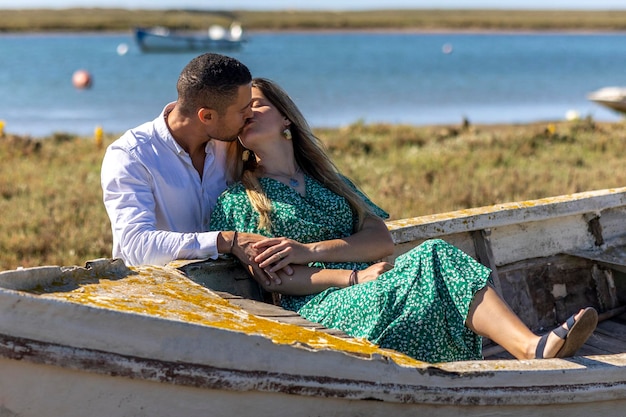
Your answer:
<point x="52" y="213"/>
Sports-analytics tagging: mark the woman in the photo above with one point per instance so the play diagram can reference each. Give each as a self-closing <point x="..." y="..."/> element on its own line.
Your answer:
<point x="434" y="304"/>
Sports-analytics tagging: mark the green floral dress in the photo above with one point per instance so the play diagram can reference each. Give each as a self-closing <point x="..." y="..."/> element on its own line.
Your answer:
<point x="418" y="307"/>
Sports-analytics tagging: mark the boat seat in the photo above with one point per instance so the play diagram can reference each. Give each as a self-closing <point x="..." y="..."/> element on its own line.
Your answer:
<point x="224" y="274"/>
<point x="613" y="257"/>
<point x="230" y="280"/>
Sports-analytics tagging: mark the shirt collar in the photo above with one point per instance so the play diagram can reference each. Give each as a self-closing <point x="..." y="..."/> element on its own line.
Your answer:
<point x="164" y="132"/>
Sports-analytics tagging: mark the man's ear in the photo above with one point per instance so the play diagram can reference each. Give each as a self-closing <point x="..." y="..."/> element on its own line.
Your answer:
<point x="206" y="115"/>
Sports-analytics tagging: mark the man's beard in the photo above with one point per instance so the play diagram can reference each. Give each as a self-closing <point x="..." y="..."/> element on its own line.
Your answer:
<point x="228" y="139"/>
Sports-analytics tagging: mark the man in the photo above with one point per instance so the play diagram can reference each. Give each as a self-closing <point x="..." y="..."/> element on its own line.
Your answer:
<point x="160" y="180"/>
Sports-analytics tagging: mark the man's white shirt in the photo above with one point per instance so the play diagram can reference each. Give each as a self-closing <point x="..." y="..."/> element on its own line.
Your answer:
<point x="159" y="207"/>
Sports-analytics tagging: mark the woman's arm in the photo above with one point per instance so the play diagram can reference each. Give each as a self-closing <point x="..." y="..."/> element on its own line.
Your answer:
<point x="371" y="243"/>
<point x="306" y="280"/>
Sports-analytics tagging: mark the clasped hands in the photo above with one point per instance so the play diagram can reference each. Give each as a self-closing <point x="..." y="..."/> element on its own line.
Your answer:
<point x="267" y="258"/>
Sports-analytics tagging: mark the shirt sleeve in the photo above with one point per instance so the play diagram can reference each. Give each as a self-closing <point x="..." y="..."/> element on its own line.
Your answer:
<point x="130" y="203"/>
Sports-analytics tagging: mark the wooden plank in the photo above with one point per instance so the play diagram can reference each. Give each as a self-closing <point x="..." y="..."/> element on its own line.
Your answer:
<point x="604" y="344"/>
<point x="276" y="313"/>
<point x="260" y="308"/>
<point x="426" y="227"/>
<point x="531" y="240"/>
<point x="612" y="223"/>
<point x="484" y="253"/>
<point x="612" y="329"/>
<point x="613" y="257"/>
<point x="546" y="291"/>
<point x="224" y="274"/>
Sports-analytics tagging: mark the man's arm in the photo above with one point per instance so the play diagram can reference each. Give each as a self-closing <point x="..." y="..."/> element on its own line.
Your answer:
<point x="131" y="205"/>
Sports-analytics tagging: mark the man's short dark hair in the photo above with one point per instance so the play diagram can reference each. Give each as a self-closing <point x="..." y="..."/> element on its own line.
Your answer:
<point x="210" y="80"/>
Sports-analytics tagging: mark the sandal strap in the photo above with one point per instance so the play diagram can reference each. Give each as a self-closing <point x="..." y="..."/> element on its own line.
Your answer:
<point x="563" y="332"/>
<point x="559" y="331"/>
<point x="541" y="346"/>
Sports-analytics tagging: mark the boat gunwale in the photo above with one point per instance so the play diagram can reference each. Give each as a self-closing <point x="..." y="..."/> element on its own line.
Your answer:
<point x="215" y="378"/>
<point x="505" y="214"/>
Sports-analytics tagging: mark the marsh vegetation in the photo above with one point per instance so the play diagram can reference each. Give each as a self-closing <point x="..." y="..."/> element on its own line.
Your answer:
<point x="52" y="211"/>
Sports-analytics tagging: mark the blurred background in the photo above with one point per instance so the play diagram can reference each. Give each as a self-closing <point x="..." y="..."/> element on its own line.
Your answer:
<point x="79" y="64"/>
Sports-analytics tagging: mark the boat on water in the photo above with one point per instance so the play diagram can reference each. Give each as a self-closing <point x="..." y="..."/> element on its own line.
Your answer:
<point x="196" y="337"/>
<point x="217" y="39"/>
<point x="611" y="97"/>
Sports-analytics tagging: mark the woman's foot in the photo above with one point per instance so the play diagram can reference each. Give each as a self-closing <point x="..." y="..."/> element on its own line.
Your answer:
<point x="565" y="340"/>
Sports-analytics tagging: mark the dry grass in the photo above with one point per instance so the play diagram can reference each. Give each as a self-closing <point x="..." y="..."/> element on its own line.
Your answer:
<point x="52" y="213"/>
<point x="108" y="19"/>
<point x="50" y="200"/>
<point x="415" y="171"/>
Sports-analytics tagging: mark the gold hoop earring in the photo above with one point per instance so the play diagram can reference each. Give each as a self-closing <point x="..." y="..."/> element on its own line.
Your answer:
<point x="287" y="133"/>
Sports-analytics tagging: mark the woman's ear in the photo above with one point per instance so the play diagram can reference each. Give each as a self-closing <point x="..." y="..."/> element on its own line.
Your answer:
<point x="286" y="122"/>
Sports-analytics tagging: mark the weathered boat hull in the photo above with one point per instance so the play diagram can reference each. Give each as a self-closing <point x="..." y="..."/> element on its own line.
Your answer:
<point x="71" y="393"/>
<point x="107" y="340"/>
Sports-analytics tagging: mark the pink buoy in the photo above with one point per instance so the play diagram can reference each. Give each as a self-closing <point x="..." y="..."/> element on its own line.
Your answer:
<point x="81" y="79"/>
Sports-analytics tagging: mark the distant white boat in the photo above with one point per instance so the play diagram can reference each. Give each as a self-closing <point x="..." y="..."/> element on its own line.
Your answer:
<point x="611" y="97"/>
<point x="162" y="39"/>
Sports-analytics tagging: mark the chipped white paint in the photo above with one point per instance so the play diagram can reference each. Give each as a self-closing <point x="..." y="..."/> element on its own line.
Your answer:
<point x="559" y="290"/>
<point x="524" y="230"/>
<point x="499" y="215"/>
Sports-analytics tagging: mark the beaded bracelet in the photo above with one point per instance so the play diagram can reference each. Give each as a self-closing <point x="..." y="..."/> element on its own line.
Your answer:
<point x="354" y="278"/>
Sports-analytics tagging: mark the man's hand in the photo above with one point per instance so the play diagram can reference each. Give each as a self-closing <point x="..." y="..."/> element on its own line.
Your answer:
<point x="244" y="250"/>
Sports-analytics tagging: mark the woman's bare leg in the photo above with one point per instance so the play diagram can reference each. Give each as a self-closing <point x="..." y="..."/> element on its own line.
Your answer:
<point x="491" y="317"/>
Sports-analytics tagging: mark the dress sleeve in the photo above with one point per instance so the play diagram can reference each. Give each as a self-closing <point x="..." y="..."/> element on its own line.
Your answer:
<point x="221" y="217"/>
<point x="377" y="210"/>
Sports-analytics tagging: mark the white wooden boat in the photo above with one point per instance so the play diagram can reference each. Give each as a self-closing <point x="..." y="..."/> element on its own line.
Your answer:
<point x="217" y="39"/>
<point x="612" y="97"/>
<point x="106" y="340"/>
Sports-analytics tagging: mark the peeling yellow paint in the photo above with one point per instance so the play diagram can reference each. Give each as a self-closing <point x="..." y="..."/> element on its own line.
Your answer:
<point x="166" y="293"/>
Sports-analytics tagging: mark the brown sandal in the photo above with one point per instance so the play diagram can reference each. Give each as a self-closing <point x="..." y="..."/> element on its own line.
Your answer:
<point x="575" y="335"/>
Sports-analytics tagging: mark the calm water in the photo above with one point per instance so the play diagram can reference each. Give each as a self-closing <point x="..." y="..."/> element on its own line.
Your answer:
<point x="336" y="78"/>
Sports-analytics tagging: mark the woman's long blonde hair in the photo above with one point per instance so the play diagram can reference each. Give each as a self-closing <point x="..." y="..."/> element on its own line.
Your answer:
<point x="310" y="156"/>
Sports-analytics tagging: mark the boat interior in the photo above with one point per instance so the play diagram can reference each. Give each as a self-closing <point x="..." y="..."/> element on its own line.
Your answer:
<point x="574" y="280"/>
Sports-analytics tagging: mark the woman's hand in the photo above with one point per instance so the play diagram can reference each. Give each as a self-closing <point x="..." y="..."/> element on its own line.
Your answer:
<point x="372" y="272"/>
<point x="243" y="249"/>
<point x="373" y="242"/>
<point x="278" y="252"/>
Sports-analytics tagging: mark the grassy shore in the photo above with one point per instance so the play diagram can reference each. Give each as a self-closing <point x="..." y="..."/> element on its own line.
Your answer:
<point x="95" y="19"/>
<point x="50" y="194"/>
